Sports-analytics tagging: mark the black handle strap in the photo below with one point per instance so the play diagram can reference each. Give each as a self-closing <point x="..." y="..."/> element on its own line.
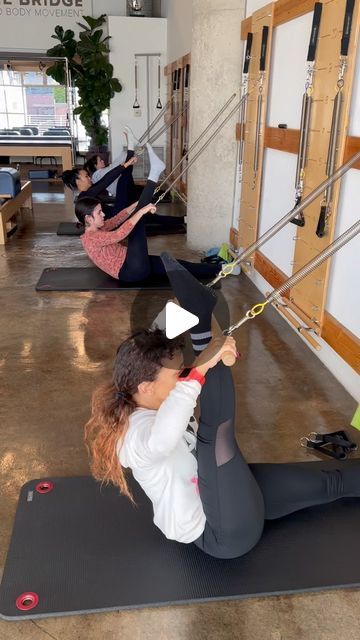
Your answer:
<point x="299" y="221"/>
<point x="248" y="52"/>
<point x="264" y="41"/>
<point x="174" y="78"/>
<point x="340" y="442"/>
<point x="341" y="438"/>
<point x="345" y="40"/>
<point x="331" y="450"/>
<point x="178" y="79"/>
<point x="320" y="230"/>
<point x="187" y="76"/>
<point x="314" y="32"/>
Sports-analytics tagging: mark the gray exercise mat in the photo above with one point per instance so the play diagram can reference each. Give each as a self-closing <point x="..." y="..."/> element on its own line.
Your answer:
<point x="81" y="548"/>
<point x="92" y="279"/>
<point x="73" y="229"/>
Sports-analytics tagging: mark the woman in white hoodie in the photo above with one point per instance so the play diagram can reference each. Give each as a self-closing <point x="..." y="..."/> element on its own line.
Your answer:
<point x="202" y="489"/>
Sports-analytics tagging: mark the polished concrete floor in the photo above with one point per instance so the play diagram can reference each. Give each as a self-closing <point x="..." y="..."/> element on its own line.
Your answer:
<point x="56" y="347"/>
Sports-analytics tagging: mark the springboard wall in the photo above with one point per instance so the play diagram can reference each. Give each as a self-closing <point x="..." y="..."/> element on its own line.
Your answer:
<point x="334" y="315"/>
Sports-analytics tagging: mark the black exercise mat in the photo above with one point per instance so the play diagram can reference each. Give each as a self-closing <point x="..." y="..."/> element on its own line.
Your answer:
<point x="72" y="229"/>
<point x="69" y="229"/>
<point x="160" y="230"/>
<point x="92" y="279"/>
<point x="82" y="548"/>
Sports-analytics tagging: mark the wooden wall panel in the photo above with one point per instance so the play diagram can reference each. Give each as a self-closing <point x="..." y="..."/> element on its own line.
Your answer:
<point x="282" y="139"/>
<point x="310" y="294"/>
<point x="285" y="10"/>
<point x="344" y="343"/>
<point x="308" y="298"/>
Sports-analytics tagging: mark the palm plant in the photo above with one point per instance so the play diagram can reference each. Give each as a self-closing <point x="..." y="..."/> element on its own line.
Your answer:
<point x="91" y="73"/>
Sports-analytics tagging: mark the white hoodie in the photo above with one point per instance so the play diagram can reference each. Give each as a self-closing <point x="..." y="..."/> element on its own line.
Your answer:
<point x="158" y="448"/>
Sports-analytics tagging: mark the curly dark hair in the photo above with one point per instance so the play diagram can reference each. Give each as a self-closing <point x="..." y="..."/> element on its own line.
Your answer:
<point x="138" y="359"/>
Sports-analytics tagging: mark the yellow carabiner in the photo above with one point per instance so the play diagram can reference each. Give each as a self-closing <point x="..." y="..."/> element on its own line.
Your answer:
<point x="227" y="269"/>
<point x="258" y="309"/>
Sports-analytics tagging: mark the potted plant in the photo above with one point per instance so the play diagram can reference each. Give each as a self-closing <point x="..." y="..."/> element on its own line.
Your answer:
<point x="91" y="73"/>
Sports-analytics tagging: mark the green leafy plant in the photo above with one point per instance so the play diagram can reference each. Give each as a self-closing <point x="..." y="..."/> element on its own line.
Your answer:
<point x="91" y="73"/>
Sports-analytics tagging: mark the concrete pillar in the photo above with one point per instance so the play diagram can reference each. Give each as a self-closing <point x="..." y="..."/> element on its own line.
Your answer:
<point x="216" y="64"/>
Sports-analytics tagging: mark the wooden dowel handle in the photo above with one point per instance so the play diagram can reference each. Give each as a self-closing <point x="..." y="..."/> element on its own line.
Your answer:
<point x="228" y="359"/>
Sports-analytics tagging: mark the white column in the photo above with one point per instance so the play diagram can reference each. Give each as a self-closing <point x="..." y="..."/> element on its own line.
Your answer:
<point x="216" y="65"/>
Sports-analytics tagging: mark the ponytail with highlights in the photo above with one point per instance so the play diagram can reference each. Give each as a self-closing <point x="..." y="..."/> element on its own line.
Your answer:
<point x="108" y="424"/>
<point x="138" y="359"/>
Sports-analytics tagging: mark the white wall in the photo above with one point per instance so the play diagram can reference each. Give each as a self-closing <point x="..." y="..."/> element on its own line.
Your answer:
<point x="130" y="36"/>
<point x="180" y="19"/>
<point x="253" y="5"/>
<point x="29" y="28"/>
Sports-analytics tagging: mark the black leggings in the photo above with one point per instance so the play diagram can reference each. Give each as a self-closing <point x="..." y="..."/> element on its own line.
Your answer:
<point x="139" y="265"/>
<point x="238" y="497"/>
<point x="122" y="191"/>
<point x="128" y="192"/>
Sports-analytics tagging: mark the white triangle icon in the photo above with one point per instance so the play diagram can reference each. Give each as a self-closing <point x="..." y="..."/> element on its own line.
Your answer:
<point x="178" y="320"/>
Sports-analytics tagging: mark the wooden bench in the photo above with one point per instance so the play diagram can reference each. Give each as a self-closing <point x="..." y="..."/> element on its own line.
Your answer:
<point x="8" y="210"/>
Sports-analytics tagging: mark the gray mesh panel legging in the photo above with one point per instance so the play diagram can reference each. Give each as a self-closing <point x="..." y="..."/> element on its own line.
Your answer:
<point x="238" y="497"/>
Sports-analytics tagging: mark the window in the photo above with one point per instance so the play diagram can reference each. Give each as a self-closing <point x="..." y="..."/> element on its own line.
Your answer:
<point x="31" y="98"/>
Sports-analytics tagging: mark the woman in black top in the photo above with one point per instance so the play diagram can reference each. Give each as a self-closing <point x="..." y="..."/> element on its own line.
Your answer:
<point x="79" y="180"/>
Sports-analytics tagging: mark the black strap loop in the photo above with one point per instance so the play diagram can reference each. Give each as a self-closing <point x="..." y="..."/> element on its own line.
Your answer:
<point x="178" y="79"/>
<point x="314" y="32"/>
<point x="299" y="220"/>
<point x="187" y="76"/>
<point x="248" y="52"/>
<point x="320" y="230"/>
<point x="264" y="41"/>
<point x="345" y="40"/>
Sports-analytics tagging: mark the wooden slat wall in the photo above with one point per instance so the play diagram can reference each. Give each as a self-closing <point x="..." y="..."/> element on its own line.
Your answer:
<point x="344" y="343"/>
<point x="176" y="133"/>
<point x="310" y="294"/>
<point x="309" y="297"/>
<point x="285" y="10"/>
<point x="288" y="140"/>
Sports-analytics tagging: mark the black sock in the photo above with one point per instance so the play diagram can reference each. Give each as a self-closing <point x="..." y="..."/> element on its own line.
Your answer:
<point x="193" y="297"/>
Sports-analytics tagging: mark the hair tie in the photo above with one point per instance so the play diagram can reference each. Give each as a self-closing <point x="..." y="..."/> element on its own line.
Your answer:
<point x="120" y="395"/>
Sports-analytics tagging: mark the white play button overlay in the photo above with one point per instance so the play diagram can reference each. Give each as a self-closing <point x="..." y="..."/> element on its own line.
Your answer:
<point x="178" y="320"/>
